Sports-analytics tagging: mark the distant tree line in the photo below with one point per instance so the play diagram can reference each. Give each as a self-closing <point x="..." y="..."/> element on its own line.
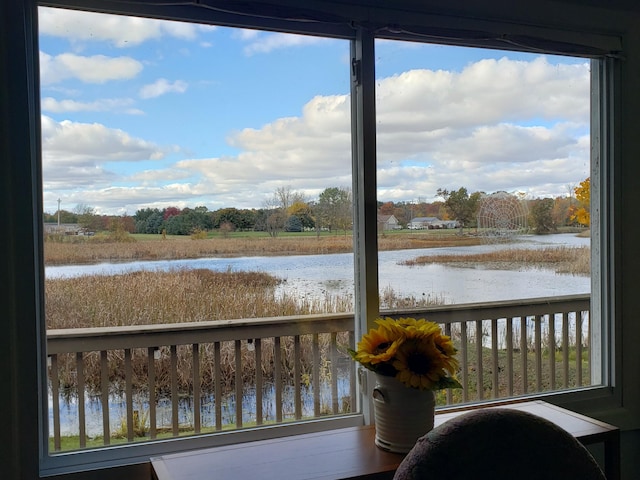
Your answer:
<point x="290" y="211"/>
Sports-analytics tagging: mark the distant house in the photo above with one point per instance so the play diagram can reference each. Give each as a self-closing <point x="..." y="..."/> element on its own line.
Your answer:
<point x="444" y="224"/>
<point x="388" y="222"/>
<point x="63" y="228"/>
<point x="420" y="223"/>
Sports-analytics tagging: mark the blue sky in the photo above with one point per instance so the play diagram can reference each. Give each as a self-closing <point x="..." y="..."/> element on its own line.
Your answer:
<point x="141" y="113"/>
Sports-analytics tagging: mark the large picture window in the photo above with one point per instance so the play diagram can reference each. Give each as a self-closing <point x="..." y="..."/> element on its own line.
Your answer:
<point x="197" y="219"/>
<point x="210" y="250"/>
<point x="483" y="174"/>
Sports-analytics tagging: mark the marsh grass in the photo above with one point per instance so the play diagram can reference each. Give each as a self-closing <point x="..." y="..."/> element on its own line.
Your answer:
<point x="562" y="259"/>
<point x="180" y="296"/>
<point x="76" y="250"/>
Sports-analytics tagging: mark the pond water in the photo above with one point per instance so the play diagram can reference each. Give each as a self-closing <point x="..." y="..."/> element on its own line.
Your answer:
<point x="318" y="275"/>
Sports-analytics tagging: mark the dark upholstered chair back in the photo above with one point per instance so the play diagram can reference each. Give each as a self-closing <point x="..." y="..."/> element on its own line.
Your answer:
<point x="498" y="444"/>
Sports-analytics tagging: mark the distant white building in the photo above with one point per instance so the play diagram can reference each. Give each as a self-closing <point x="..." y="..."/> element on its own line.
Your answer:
<point x="420" y="223"/>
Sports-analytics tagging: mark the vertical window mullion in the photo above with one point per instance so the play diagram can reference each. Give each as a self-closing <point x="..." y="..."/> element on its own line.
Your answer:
<point x="363" y="134"/>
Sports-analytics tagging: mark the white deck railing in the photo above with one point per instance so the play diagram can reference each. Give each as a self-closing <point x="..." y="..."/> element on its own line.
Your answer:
<point x="185" y="379"/>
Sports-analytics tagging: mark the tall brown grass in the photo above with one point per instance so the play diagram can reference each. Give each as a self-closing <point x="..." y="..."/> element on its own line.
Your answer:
<point x="159" y="297"/>
<point x="570" y="260"/>
<point x="80" y="250"/>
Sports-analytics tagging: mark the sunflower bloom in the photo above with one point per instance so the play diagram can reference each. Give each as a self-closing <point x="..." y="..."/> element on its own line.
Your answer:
<point x="412" y="350"/>
<point x="377" y="346"/>
<point x="447" y="351"/>
<point x="419" y="364"/>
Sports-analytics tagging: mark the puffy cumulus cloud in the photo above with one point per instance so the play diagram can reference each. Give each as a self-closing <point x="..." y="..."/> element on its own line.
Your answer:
<point x="485" y="92"/>
<point x="93" y="69"/>
<point x="75" y="156"/>
<point x="313" y="144"/>
<point x="50" y="104"/>
<point x="495" y="125"/>
<point x="267" y="42"/>
<point x="66" y="142"/>
<point x="162" y="86"/>
<point x="120" y="31"/>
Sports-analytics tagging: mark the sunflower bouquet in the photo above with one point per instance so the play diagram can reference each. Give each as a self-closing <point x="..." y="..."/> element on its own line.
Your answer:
<point x="413" y="351"/>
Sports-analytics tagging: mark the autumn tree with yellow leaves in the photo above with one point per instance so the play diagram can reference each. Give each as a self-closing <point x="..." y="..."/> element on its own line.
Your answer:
<point x="583" y="194"/>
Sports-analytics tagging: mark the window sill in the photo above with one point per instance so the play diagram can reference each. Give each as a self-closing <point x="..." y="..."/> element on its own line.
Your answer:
<point x="351" y="453"/>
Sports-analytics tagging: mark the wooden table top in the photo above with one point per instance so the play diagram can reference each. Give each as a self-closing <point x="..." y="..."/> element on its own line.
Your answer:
<point x="348" y="453"/>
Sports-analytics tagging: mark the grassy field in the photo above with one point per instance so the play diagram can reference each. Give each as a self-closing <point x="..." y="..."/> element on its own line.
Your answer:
<point x="87" y="250"/>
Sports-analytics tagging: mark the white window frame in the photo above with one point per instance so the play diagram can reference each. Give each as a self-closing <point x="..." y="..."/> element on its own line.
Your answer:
<point x="25" y="271"/>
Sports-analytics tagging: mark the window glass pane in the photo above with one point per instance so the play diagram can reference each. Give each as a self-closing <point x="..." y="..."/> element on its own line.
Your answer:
<point x="483" y="193"/>
<point x="193" y="174"/>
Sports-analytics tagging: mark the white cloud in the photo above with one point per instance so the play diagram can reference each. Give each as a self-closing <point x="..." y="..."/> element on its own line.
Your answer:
<point x="120" y="31"/>
<point x="50" y="104"/>
<point x="75" y="154"/>
<point x="265" y="43"/>
<point x="161" y="87"/>
<point x="496" y="125"/>
<point x="94" y="69"/>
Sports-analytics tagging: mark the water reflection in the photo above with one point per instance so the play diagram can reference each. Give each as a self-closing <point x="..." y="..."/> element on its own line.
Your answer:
<point x="69" y="419"/>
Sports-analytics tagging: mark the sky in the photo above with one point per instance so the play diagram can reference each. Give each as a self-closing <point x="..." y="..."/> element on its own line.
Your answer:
<point x="140" y="113"/>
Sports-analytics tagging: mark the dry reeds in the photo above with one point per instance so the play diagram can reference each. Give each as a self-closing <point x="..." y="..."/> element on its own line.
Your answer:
<point x="571" y="260"/>
<point x="143" y="298"/>
<point x="80" y="250"/>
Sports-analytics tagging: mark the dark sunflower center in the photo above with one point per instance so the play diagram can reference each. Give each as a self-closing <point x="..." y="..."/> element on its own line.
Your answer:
<point x="418" y="363"/>
<point x="383" y="347"/>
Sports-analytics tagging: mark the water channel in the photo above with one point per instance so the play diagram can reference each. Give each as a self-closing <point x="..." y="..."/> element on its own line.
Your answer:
<point x="317" y="275"/>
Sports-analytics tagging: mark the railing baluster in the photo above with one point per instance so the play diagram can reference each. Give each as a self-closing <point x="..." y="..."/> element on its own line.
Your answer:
<point x="578" y="349"/>
<point x="82" y="420"/>
<point x="447" y="332"/>
<point x="538" y="346"/>
<point x="565" y="349"/>
<point x="151" y="368"/>
<point x="197" y="400"/>
<point x="479" y="363"/>
<point x="128" y="392"/>
<point x="524" y="352"/>
<point x="259" y="380"/>
<point x="296" y="377"/>
<point x="494" y="357"/>
<point x="352" y="374"/>
<point x="217" y="384"/>
<point x="509" y="340"/>
<point x="238" y="382"/>
<point x="104" y="387"/>
<point x="464" y="361"/>
<point x="552" y="351"/>
<point x="333" y="355"/>
<point x="587" y="315"/>
<point x="174" y="390"/>
<point x="55" y="394"/>
<point x="278" y="378"/>
<point x="316" y="375"/>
